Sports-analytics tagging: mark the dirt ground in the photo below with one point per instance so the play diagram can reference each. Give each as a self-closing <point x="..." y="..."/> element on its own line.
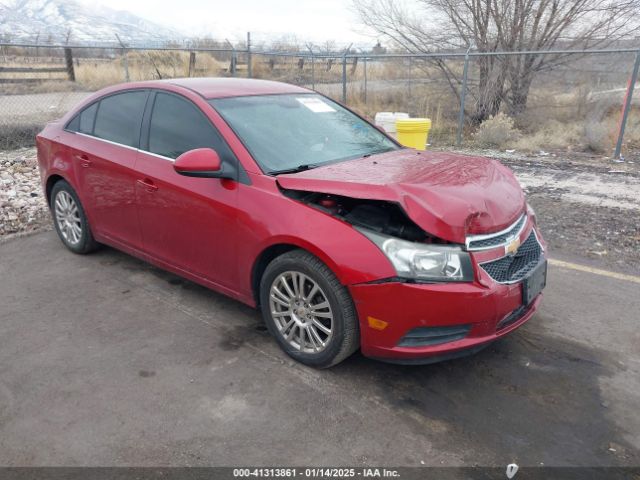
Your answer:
<point x="586" y="205"/>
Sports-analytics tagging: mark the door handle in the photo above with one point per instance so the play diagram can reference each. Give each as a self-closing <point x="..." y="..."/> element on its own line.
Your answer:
<point x="84" y="160"/>
<point x="148" y="184"/>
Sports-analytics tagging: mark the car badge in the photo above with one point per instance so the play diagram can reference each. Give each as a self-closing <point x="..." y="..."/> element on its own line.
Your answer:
<point x="512" y="246"/>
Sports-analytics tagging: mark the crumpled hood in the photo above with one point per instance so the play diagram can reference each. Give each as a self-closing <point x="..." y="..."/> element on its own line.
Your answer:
<point x="448" y="195"/>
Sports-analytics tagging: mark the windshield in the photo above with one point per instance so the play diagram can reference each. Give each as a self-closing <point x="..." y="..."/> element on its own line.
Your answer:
<point x="289" y="132"/>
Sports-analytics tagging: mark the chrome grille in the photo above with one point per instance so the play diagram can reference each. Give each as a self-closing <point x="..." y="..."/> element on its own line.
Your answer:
<point x="493" y="240"/>
<point x="514" y="268"/>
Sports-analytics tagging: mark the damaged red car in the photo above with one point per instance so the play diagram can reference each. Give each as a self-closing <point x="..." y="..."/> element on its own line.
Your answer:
<point x="287" y="201"/>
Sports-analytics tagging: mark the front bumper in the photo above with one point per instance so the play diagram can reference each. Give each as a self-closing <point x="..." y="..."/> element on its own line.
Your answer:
<point x="393" y="313"/>
<point x="406" y="306"/>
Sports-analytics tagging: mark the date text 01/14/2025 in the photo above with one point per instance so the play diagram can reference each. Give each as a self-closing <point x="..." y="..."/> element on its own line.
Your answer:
<point x="317" y="472"/>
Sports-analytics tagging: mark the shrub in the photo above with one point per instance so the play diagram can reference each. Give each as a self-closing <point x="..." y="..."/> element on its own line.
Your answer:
<point x="497" y="131"/>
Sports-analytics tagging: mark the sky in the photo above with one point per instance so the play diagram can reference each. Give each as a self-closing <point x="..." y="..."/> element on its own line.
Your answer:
<point x="307" y="20"/>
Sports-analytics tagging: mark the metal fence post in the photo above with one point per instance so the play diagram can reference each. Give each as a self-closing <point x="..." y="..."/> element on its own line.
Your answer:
<point x="408" y="96"/>
<point x="344" y="77"/>
<point x="313" y="68"/>
<point x="463" y="95"/>
<point x="627" y="105"/>
<point x="234" y="63"/>
<point x="249" y="55"/>
<point x="125" y="61"/>
<point x="234" y="59"/>
<point x="365" y="80"/>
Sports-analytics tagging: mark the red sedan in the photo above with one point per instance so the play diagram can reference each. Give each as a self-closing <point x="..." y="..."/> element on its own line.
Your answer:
<point x="287" y="201"/>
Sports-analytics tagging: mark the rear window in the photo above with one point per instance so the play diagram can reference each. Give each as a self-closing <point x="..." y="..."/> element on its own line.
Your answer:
<point x="118" y="118"/>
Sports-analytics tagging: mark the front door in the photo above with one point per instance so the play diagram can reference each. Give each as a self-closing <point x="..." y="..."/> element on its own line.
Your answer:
<point x="189" y="223"/>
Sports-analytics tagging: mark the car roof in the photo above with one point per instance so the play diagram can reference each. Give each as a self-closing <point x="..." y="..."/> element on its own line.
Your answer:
<point x="232" y="87"/>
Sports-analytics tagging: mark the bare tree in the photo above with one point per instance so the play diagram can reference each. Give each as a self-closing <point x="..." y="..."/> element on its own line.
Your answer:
<point x="489" y="26"/>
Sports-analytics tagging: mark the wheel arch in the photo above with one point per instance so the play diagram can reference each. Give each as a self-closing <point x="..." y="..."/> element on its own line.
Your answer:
<point x="51" y="181"/>
<point x="275" y="250"/>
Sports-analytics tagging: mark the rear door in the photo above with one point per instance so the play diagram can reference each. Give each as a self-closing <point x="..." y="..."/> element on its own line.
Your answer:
<point x="104" y="150"/>
<point x="189" y="223"/>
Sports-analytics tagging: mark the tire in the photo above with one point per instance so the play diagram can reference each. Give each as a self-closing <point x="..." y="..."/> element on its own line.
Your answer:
<point x="70" y="220"/>
<point x="286" y="319"/>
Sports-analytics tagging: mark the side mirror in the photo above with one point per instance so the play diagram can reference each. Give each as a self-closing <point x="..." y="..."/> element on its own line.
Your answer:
<point x="201" y="162"/>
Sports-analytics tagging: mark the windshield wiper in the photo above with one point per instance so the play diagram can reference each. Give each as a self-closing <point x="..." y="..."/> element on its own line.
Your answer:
<point x="299" y="168"/>
<point x="376" y="152"/>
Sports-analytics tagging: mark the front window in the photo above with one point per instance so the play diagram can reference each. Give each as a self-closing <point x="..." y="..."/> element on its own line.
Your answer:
<point x="298" y="131"/>
<point x="177" y="126"/>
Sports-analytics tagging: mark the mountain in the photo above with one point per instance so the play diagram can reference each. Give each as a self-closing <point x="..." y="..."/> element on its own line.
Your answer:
<point x="51" y="21"/>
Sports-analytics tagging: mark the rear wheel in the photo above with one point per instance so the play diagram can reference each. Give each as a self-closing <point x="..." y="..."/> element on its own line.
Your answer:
<point x="70" y="220"/>
<point x="308" y="311"/>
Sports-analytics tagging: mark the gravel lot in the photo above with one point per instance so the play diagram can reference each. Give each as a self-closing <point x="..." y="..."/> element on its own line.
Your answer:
<point x="22" y="204"/>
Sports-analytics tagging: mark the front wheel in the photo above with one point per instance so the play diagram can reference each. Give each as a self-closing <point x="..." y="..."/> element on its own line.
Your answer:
<point x="308" y="311"/>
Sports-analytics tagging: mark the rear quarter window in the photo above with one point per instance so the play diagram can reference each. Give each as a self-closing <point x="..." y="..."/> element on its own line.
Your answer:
<point x="87" y="119"/>
<point x="83" y="121"/>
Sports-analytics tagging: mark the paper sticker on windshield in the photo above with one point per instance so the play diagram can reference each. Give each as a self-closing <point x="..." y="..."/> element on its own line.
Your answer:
<point x="315" y="104"/>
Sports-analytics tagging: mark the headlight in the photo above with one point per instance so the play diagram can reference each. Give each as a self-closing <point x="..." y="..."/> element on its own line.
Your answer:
<point x="436" y="263"/>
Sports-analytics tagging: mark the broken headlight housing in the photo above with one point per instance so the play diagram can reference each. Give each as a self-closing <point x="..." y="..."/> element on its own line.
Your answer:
<point x="425" y="262"/>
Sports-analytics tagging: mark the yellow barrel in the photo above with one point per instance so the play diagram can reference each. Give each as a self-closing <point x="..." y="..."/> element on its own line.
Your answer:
<point x="413" y="132"/>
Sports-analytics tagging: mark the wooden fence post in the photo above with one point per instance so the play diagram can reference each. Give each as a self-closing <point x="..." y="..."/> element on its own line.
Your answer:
<point x="192" y="63"/>
<point x="69" y="60"/>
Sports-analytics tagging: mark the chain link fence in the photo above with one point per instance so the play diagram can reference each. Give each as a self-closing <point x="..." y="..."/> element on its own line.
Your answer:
<point x="575" y="103"/>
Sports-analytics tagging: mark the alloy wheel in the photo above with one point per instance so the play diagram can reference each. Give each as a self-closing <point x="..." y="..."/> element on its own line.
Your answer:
<point x="301" y="312"/>
<point x="68" y="218"/>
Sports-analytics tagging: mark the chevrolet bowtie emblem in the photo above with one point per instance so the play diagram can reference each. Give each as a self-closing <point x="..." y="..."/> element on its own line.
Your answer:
<point x="512" y="247"/>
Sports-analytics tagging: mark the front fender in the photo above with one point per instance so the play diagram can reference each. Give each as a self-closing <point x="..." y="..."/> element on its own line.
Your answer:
<point x="271" y="219"/>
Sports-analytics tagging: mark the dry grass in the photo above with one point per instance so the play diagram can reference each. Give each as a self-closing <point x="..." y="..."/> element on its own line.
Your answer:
<point x="551" y="135"/>
<point x="558" y="116"/>
<point x="581" y="124"/>
<point x="145" y="66"/>
<point x="93" y="74"/>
